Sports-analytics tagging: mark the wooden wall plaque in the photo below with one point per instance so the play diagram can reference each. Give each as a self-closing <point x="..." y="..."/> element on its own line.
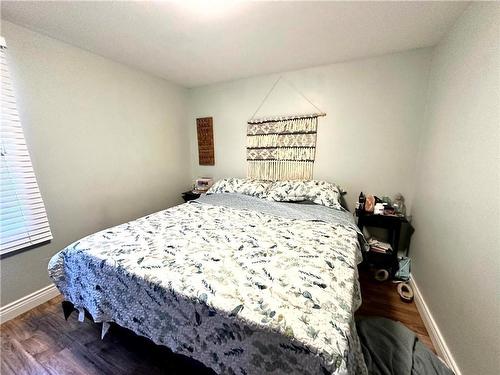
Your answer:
<point x="205" y="130"/>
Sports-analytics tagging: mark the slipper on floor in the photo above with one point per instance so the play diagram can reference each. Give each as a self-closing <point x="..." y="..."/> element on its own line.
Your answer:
<point x="405" y="291"/>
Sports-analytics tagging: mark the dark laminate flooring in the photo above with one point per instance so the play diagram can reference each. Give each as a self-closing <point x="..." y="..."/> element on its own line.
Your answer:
<point x="42" y="342"/>
<point x="382" y="299"/>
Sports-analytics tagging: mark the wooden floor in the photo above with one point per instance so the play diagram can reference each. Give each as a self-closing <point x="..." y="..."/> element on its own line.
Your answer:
<point x="42" y="342"/>
<point x="382" y="299"/>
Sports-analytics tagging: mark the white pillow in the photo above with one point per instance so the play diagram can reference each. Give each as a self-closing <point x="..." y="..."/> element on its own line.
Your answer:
<point x="255" y="188"/>
<point x="319" y="192"/>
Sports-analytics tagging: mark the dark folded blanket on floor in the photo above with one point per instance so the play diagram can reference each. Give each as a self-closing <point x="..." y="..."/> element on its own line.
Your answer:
<point x="391" y="348"/>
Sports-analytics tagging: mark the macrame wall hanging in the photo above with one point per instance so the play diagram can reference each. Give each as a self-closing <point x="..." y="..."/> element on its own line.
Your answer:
<point x="284" y="147"/>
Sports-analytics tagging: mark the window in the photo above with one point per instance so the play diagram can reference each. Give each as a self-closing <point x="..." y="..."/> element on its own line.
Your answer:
<point x="23" y="219"/>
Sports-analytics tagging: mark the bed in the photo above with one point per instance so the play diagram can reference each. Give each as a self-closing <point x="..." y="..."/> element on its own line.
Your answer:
<point x="244" y="285"/>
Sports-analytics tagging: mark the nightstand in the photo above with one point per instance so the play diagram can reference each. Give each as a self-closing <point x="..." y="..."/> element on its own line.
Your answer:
<point x="393" y="225"/>
<point x="190" y="195"/>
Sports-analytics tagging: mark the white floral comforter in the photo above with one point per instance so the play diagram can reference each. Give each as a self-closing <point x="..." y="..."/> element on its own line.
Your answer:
<point x="241" y="290"/>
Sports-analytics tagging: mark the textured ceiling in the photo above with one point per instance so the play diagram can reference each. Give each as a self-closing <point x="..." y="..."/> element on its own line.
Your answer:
<point x="197" y="43"/>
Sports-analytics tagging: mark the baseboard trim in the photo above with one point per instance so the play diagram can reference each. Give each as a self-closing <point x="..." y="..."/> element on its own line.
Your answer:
<point x="27" y="303"/>
<point x="35" y="299"/>
<point x="432" y="328"/>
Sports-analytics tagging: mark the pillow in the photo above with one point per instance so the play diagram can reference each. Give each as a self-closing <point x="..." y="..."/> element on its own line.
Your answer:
<point x="319" y="192"/>
<point x="255" y="188"/>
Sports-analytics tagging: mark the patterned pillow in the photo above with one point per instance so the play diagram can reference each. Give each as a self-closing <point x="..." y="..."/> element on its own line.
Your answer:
<point x="255" y="188"/>
<point x="319" y="192"/>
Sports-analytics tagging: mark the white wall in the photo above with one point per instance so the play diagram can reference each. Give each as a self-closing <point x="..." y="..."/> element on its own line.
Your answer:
<point x="369" y="139"/>
<point x="108" y="144"/>
<point x="456" y="210"/>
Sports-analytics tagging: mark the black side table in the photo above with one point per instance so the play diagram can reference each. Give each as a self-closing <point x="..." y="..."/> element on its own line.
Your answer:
<point x="190" y="195"/>
<point x="393" y="225"/>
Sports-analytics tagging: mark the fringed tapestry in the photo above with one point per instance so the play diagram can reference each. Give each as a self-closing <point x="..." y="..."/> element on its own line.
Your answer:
<point x="282" y="148"/>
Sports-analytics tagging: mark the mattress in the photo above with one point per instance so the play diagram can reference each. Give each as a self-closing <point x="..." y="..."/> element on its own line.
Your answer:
<point x="244" y="285"/>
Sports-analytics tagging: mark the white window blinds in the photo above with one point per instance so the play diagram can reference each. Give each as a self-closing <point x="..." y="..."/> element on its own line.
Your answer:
<point x="22" y="212"/>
